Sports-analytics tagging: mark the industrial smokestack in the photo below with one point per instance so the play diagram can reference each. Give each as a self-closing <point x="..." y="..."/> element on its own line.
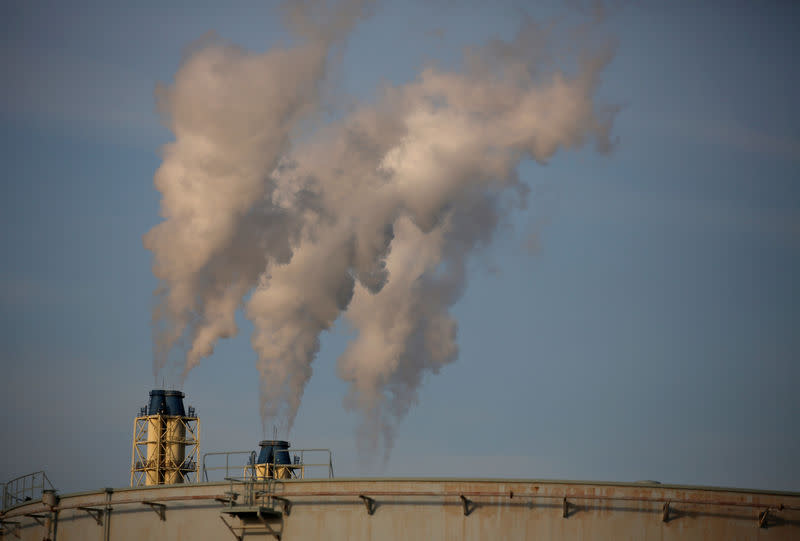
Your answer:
<point x="165" y="441"/>
<point x="273" y="460"/>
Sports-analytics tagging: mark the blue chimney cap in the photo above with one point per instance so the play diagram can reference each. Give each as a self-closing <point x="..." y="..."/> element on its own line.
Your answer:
<point x="163" y="402"/>
<point x="274" y="452"/>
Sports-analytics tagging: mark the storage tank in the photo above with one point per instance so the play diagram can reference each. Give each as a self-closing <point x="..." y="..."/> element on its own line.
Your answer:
<point x="411" y="508"/>
<point x="283" y="502"/>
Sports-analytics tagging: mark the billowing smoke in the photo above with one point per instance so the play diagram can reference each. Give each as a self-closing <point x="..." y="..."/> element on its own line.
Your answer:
<point x="373" y="216"/>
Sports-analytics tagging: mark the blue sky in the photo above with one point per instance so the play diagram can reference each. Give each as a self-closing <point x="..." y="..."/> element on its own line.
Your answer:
<point x="637" y="321"/>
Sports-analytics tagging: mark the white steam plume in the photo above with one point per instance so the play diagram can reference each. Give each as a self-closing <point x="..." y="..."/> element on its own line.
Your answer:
<point x="232" y="113"/>
<point x="373" y="216"/>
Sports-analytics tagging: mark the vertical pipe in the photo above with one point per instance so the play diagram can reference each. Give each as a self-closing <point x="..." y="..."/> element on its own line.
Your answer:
<point x="175" y="450"/>
<point x="48" y="525"/>
<point x="175" y="437"/>
<point x="155" y="450"/>
<point x="107" y="517"/>
<point x="55" y="525"/>
<point x="49" y="500"/>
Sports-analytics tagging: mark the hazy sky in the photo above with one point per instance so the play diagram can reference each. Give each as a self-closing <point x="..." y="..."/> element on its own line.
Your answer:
<point x="637" y="321"/>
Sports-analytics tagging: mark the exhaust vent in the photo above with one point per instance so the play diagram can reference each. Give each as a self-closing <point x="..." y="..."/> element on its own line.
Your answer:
<point x="273" y="460"/>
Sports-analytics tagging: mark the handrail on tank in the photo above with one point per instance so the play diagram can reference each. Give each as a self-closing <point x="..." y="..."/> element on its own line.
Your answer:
<point x="317" y="450"/>
<point x="249" y="471"/>
<point x="299" y="463"/>
<point x="227" y="467"/>
<point x="14" y="494"/>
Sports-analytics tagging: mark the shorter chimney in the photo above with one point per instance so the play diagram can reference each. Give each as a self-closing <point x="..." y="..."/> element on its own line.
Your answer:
<point x="273" y="460"/>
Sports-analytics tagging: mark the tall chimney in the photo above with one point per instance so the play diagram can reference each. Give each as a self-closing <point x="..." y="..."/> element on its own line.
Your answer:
<point x="165" y="441"/>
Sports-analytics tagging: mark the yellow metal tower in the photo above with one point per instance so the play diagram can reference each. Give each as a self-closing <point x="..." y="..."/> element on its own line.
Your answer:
<point x="166" y="442"/>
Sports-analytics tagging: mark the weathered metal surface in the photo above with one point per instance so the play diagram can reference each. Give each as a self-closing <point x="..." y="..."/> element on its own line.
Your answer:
<point x="416" y="508"/>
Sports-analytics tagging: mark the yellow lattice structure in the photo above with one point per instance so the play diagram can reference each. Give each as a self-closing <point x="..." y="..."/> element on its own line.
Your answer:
<point x="165" y="450"/>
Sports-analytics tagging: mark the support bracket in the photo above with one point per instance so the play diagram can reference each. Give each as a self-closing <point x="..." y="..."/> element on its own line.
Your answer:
<point x="236" y="535"/>
<point x="159" y="508"/>
<point x="38" y="518"/>
<point x="565" y="508"/>
<point x="5" y="524"/>
<point x="287" y="504"/>
<point x="665" y="513"/>
<point x="96" y="514"/>
<point x="466" y="502"/>
<point x="763" y="518"/>
<point x="369" y="503"/>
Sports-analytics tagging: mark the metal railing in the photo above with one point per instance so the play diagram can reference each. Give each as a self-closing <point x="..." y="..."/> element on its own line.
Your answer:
<point x="25" y="488"/>
<point x="236" y="467"/>
<point x="257" y="491"/>
<point x="247" y="468"/>
<point x="300" y="453"/>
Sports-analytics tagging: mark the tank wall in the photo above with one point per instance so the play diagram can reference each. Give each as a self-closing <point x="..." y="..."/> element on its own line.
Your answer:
<point x="432" y="509"/>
